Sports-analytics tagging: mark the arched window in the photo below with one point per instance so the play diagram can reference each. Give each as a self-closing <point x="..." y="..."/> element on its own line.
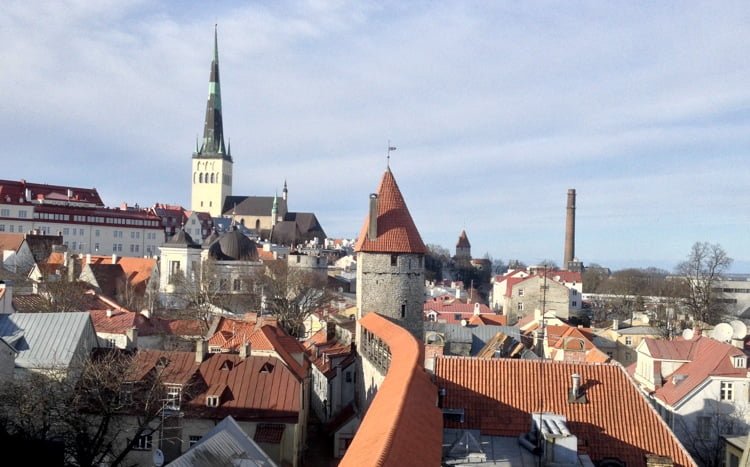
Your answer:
<point x="212" y="178"/>
<point x="257" y="224"/>
<point x="200" y="178"/>
<point x="194" y="176"/>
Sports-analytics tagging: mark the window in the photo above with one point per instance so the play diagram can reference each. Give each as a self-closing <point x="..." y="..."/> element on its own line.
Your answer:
<point x="628" y="340"/>
<point x="12" y="227"/>
<point x="726" y="391"/>
<point x="144" y="443"/>
<point x="194" y="439"/>
<point x="212" y="401"/>
<point x="126" y="393"/>
<point x="22" y="214"/>
<point x="236" y="285"/>
<point x="2" y="227"/>
<point x="174" y="267"/>
<point x="520" y="292"/>
<point x="66" y="231"/>
<point x="574" y="303"/>
<point x="394" y="260"/>
<point x="96" y="232"/>
<point x="96" y="247"/>
<point x="5" y="212"/>
<point x="173" y="397"/>
<point x="348" y="377"/>
<point x="520" y="306"/>
<point x="403" y="310"/>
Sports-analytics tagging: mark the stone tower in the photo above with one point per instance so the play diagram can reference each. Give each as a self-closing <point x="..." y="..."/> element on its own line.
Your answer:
<point x="212" y="160"/>
<point x="390" y="261"/>
<point x="463" y="247"/>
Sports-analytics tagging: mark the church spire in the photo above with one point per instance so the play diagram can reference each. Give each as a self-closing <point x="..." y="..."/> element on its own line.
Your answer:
<point x="213" y="133"/>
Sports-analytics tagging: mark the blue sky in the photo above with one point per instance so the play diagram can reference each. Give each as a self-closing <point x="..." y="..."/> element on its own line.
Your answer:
<point x="496" y="108"/>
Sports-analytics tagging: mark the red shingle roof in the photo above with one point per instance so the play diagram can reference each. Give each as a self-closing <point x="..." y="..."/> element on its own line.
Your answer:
<point x="403" y="426"/>
<point x="499" y="396"/>
<point x="706" y="357"/>
<point x="396" y="230"/>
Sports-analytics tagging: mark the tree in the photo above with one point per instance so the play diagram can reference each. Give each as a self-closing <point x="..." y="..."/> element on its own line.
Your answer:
<point x="435" y="260"/>
<point x="83" y="408"/>
<point x="61" y="294"/>
<point x="290" y="294"/>
<point x="703" y="267"/>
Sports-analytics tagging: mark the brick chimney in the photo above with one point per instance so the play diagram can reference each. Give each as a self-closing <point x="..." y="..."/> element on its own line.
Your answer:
<point x="570" y="228"/>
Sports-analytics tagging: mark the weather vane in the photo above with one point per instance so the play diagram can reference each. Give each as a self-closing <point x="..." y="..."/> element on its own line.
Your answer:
<point x="390" y="148"/>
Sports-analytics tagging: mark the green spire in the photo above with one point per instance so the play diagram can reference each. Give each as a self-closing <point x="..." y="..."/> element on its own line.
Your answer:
<point x="213" y="132"/>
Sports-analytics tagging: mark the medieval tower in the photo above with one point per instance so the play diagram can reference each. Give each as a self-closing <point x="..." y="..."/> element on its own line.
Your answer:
<point x="463" y="248"/>
<point x="390" y="261"/>
<point x="212" y="160"/>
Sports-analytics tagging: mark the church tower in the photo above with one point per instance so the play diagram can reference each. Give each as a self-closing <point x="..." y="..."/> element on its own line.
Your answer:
<point x="212" y="160"/>
<point x="390" y="261"/>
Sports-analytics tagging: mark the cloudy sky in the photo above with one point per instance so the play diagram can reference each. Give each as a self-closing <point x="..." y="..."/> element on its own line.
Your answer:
<point x="496" y="108"/>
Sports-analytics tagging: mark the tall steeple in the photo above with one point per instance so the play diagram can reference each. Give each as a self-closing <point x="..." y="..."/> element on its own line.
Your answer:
<point x="212" y="160"/>
<point x="213" y="132"/>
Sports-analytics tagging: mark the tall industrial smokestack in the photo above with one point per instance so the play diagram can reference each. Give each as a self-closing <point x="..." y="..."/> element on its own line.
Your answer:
<point x="570" y="229"/>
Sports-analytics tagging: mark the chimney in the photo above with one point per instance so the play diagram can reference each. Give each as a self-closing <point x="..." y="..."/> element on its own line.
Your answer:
<point x="88" y="258"/>
<point x="70" y="193"/>
<point x="570" y="229"/>
<point x="109" y="312"/>
<point x="576" y="394"/>
<point x="615" y="324"/>
<point x="372" y="231"/>
<point x="200" y="350"/>
<point x="114" y="258"/>
<point x="476" y="308"/>
<point x="6" y="303"/>
<point x="244" y="350"/>
<point x="132" y="335"/>
<point x="330" y="330"/>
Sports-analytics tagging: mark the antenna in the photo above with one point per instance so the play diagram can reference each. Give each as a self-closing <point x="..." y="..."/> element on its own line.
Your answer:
<point x="388" y="156"/>
<point x="539" y="440"/>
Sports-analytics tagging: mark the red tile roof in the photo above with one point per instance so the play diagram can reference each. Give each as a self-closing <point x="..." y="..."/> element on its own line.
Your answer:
<point x="463" y="240"/>
<point x="9" y="241"/>
<point x="489" y="319"/>
<point x="254" y="388"/>
<point x="402" y="426"/>
<point x="396" y="230"/>
<point x="499" y="396"/>
<point x="325" y="354"/>
<point x="705" y="357"/>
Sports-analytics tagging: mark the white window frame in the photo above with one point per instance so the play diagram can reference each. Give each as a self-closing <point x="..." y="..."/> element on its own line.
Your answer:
<point x="726" y="390"/>
<point x="174" y="395"/>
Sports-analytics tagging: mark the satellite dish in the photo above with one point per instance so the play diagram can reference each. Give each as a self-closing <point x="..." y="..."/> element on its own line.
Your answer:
<point x="739" y="328"/>
<point x="158" y="458"/>
<point x="687" y="334"/>
<point x="722" y="332"/>
<point x="464" y="322"/>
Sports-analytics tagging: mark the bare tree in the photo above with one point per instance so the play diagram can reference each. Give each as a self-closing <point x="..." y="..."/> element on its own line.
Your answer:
<point x="85" y="413"/>
<point x="290" y="294"/>
<point x="61" y="294"/>
<point x="703" y="267"/>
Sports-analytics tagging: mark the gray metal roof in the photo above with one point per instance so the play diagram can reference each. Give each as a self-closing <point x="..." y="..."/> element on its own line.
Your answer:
<point x="225" y="445"/>
<point x="479" y="336"/>
<point x="639" y="330"/>
<point x="46" y="340"/>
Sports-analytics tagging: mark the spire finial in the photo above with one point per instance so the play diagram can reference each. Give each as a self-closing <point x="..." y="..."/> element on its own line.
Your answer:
<point x="216" y="42"/>
<point x="388" y="157"/>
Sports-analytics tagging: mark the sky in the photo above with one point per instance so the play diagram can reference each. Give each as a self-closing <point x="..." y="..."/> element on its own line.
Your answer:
<point x="496" y="110"/>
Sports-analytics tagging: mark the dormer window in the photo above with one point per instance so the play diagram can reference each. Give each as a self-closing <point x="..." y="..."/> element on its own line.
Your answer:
<point x="739" y="361"/>
<point x="266" y="368"/>
<point x="174" y="393"/>
<point x="212" y="401"/>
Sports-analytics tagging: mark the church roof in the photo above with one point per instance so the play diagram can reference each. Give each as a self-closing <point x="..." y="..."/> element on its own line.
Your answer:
<point x="213" y="132"/>
<point x="396" y="231"/>
<point x="233" y="245"/>
<point x="182" y="238"/>
<point x="463" y="240"/>
<point x="260" y="206"/>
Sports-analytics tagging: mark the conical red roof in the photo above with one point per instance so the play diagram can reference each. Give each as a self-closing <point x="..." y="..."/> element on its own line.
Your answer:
<point x="463" y="240"/>
<point x="396" y="230"/>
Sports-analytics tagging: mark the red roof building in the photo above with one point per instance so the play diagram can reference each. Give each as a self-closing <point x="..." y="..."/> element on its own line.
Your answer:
<point x="610" y="417"/>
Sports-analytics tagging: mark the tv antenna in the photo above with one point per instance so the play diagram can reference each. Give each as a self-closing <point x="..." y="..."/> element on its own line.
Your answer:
<point x="388" y="156"/>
